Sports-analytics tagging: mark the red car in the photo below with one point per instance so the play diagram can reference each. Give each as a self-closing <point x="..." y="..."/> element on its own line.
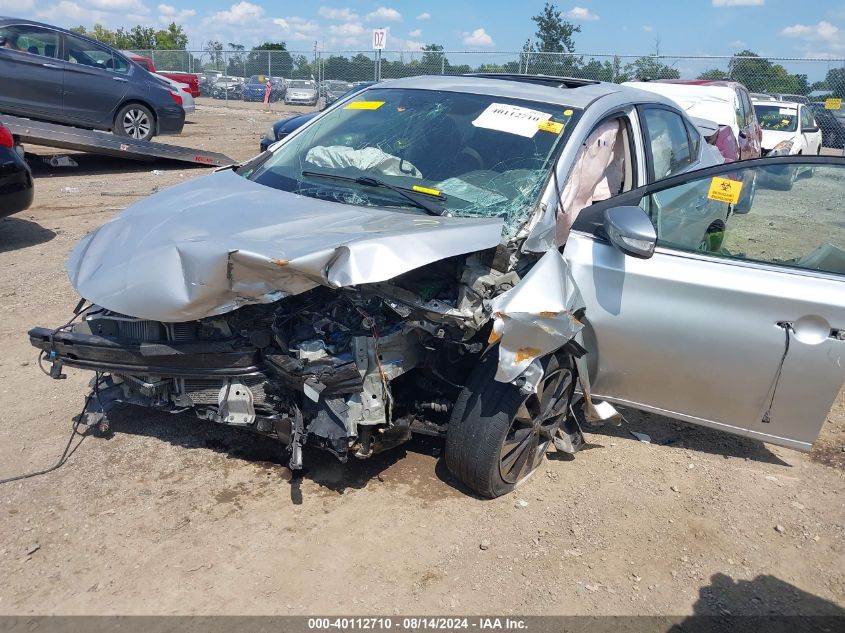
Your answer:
<point x="183" y="78"/>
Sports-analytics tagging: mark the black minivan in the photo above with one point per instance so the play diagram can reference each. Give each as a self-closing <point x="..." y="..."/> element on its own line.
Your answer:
<point x="55" y="75"/>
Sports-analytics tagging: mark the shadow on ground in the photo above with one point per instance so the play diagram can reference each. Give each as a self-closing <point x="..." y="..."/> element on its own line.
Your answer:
<point x="412" y="461"/>
<point x="765" y="603"/>
<point x="667" y="432"/>
<point x="15" y="233"/>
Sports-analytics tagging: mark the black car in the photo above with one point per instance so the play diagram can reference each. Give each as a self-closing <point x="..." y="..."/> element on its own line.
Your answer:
<point x="282" y="128"/>
<point x="832" y="126"/>
<point x="54" y="75"/>
<point x="16" y="188"/>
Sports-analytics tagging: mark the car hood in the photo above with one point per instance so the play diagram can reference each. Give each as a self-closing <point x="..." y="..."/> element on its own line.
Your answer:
<point x="214" y="244"/>
<point x="773" y="137"/>
<point x="287" y="126"/>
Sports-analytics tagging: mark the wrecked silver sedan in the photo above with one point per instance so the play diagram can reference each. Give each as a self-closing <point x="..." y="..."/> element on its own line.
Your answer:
<point x="448" y="256"/>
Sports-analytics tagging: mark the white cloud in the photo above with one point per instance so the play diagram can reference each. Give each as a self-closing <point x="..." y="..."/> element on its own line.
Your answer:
<point x="385" y="14"/>
<point x="295" y="28"/>
<point x="343" y="15"/>
<point x="479" y="37"/>
<point x="167" y="13"/>
<point x="348" y="29"/>
<point x="582" y="14"/>
<point x="738" y="3"/>
<point x="424" y="16"/>
<point x="239" y="14"/>
<point x="17" y="5"/>
<point x="135" y="6"/>
<point x="824" y="34"/>
<point x="648" y="28"/>
<point x="67" y="11"/>
<point x="415" y="33"/>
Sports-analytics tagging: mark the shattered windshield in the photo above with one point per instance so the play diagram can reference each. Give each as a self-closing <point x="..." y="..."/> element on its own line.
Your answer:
<point x="473" y="155"/>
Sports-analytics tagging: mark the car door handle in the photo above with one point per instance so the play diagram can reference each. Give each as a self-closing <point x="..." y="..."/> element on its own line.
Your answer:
<point x="120" y="79"/>
<point x="48" y="65"/>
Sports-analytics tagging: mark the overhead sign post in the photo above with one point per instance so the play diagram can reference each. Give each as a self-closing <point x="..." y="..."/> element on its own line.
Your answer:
<point x="379" y="44"/>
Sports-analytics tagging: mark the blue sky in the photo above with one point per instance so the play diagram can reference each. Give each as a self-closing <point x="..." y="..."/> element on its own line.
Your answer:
<point x="693" y="27"/>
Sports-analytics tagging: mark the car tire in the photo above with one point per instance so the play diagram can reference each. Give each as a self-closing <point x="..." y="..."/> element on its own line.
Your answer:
<point x="497" y="435"/>
<point x="135" y="121"/>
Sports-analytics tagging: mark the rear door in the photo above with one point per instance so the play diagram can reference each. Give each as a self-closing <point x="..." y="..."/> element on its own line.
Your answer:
<point x="747" y="337"/>
<point x="31" y="76"/>
<point x="96" y="80"/>
<point x="750" y="133"/>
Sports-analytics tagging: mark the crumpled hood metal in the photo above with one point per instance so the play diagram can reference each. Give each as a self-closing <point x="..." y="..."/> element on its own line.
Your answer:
<point x="214" y="244"/>
<point x="535" y="317"/>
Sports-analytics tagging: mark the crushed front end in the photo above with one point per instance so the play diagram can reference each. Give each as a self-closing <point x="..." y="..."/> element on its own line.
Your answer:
<point x="350" y="370"/>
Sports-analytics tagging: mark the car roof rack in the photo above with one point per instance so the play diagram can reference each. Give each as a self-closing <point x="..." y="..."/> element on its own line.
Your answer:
<point x="542" y="80"/>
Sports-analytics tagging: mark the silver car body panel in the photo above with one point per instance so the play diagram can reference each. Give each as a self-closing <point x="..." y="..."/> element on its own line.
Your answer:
<point x="209" y="246"/>
<point x="696" y="338"/>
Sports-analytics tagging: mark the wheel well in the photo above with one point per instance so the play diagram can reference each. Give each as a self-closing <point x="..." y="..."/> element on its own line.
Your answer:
<point x="139" y="102"/>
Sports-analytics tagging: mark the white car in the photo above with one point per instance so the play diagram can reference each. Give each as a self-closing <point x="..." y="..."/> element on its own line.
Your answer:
<point x="789" y="128"/>
<point x="184" y="91"/>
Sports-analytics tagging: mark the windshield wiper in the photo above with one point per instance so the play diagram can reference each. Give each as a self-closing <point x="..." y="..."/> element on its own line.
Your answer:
<point x="424" y="201"/>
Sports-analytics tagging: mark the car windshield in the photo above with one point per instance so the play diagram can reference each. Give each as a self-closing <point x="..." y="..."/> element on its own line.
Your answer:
<point x="337" y="85"/>
<point x="778" y="118"/>
<point x="474" y="155"/>
<point x="301" y="83"/>
<point x="257" y="79"/>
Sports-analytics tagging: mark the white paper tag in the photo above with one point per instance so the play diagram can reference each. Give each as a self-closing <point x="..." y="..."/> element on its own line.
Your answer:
<point x="511" y="119"/>
<point x="788" y="111"/>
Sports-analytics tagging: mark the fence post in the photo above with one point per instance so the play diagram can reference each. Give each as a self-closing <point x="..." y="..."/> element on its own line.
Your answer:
<point x="269" y="68"/>
<point x="443" y="63"/>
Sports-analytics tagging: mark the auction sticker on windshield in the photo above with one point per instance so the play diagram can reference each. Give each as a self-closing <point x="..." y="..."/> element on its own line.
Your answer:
<point x="725" y="190"/>
<point x="512" y="119"/>
<point x="365" y="105"/>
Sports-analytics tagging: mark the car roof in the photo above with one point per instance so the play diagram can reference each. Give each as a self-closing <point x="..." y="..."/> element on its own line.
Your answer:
<point x="775" y="102"/>
<point x="683" y="90"/>
<point x="723" y="83"/>
<point x="526" y="87"/>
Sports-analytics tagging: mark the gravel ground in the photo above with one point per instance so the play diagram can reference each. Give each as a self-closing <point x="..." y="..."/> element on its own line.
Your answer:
<point x="173" y="515"/>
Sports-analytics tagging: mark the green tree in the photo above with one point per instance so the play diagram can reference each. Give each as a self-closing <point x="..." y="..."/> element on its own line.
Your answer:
<point x="649" y="68"/>
<point x="758" y="74"/>
<point x="272" y="57"/>
<point x="551" y="50"/>
<point x="714" y="74"/>
<point x="835" y="82"/>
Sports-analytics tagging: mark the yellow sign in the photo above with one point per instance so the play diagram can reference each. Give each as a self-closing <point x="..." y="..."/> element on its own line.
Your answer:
<point x="725" y="190"/>
<point x="426" y="190"/>
<point x="365" y="105"/>
<point x="832" y="104"/>
<point x="550" y="126"/>
<point x="261" y="78"/>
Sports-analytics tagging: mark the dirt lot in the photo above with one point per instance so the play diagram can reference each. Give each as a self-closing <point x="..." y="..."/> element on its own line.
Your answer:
<point x="173" y="515"/>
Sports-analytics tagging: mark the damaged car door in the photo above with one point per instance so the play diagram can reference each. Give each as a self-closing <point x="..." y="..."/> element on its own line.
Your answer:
<point x="747" y="338"/>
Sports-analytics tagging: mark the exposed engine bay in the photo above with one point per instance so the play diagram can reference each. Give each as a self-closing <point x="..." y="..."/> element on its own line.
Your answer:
<point x="350" y="370"/>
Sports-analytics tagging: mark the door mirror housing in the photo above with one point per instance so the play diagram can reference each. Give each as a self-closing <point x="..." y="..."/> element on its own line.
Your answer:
<point x="631" y="231"/>
<point x="811" y="128"/>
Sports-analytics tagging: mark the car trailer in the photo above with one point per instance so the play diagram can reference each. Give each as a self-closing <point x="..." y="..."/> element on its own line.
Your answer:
<point x="105" y="143"/>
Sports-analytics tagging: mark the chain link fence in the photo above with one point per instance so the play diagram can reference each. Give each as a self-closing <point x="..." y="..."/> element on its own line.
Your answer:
<point x="224" y="73"/>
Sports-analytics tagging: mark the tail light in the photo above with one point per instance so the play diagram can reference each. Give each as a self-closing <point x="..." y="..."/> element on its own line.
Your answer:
<point x="6" y="139"/>
<point x="175" y="96"/>
<point x="187" y="89"/>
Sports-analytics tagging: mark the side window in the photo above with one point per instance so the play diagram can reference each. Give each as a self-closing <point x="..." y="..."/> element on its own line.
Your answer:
<point x="788" y="222"/>
<point x="668" y="140"/>
<point x="746" y="104"/>
<point x="806" y="118"/>
<point x="30" y="39"/>
<point x="694" y="139"/>
<point x="85" y="53"/>
<point x="740" y="110"/>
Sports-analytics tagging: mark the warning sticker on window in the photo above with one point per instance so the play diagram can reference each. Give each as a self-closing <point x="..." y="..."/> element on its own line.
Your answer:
<point x="365" y="105"/>
<point x="725" y="190"/>
<point x="550" y="126"/>
<point x="833" y="104"/>
<point x="511" y="119"/>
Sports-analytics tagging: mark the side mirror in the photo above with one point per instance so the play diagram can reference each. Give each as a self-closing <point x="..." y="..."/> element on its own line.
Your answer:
<point x="812" y="128"/>
<point x="631" y="231"/>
